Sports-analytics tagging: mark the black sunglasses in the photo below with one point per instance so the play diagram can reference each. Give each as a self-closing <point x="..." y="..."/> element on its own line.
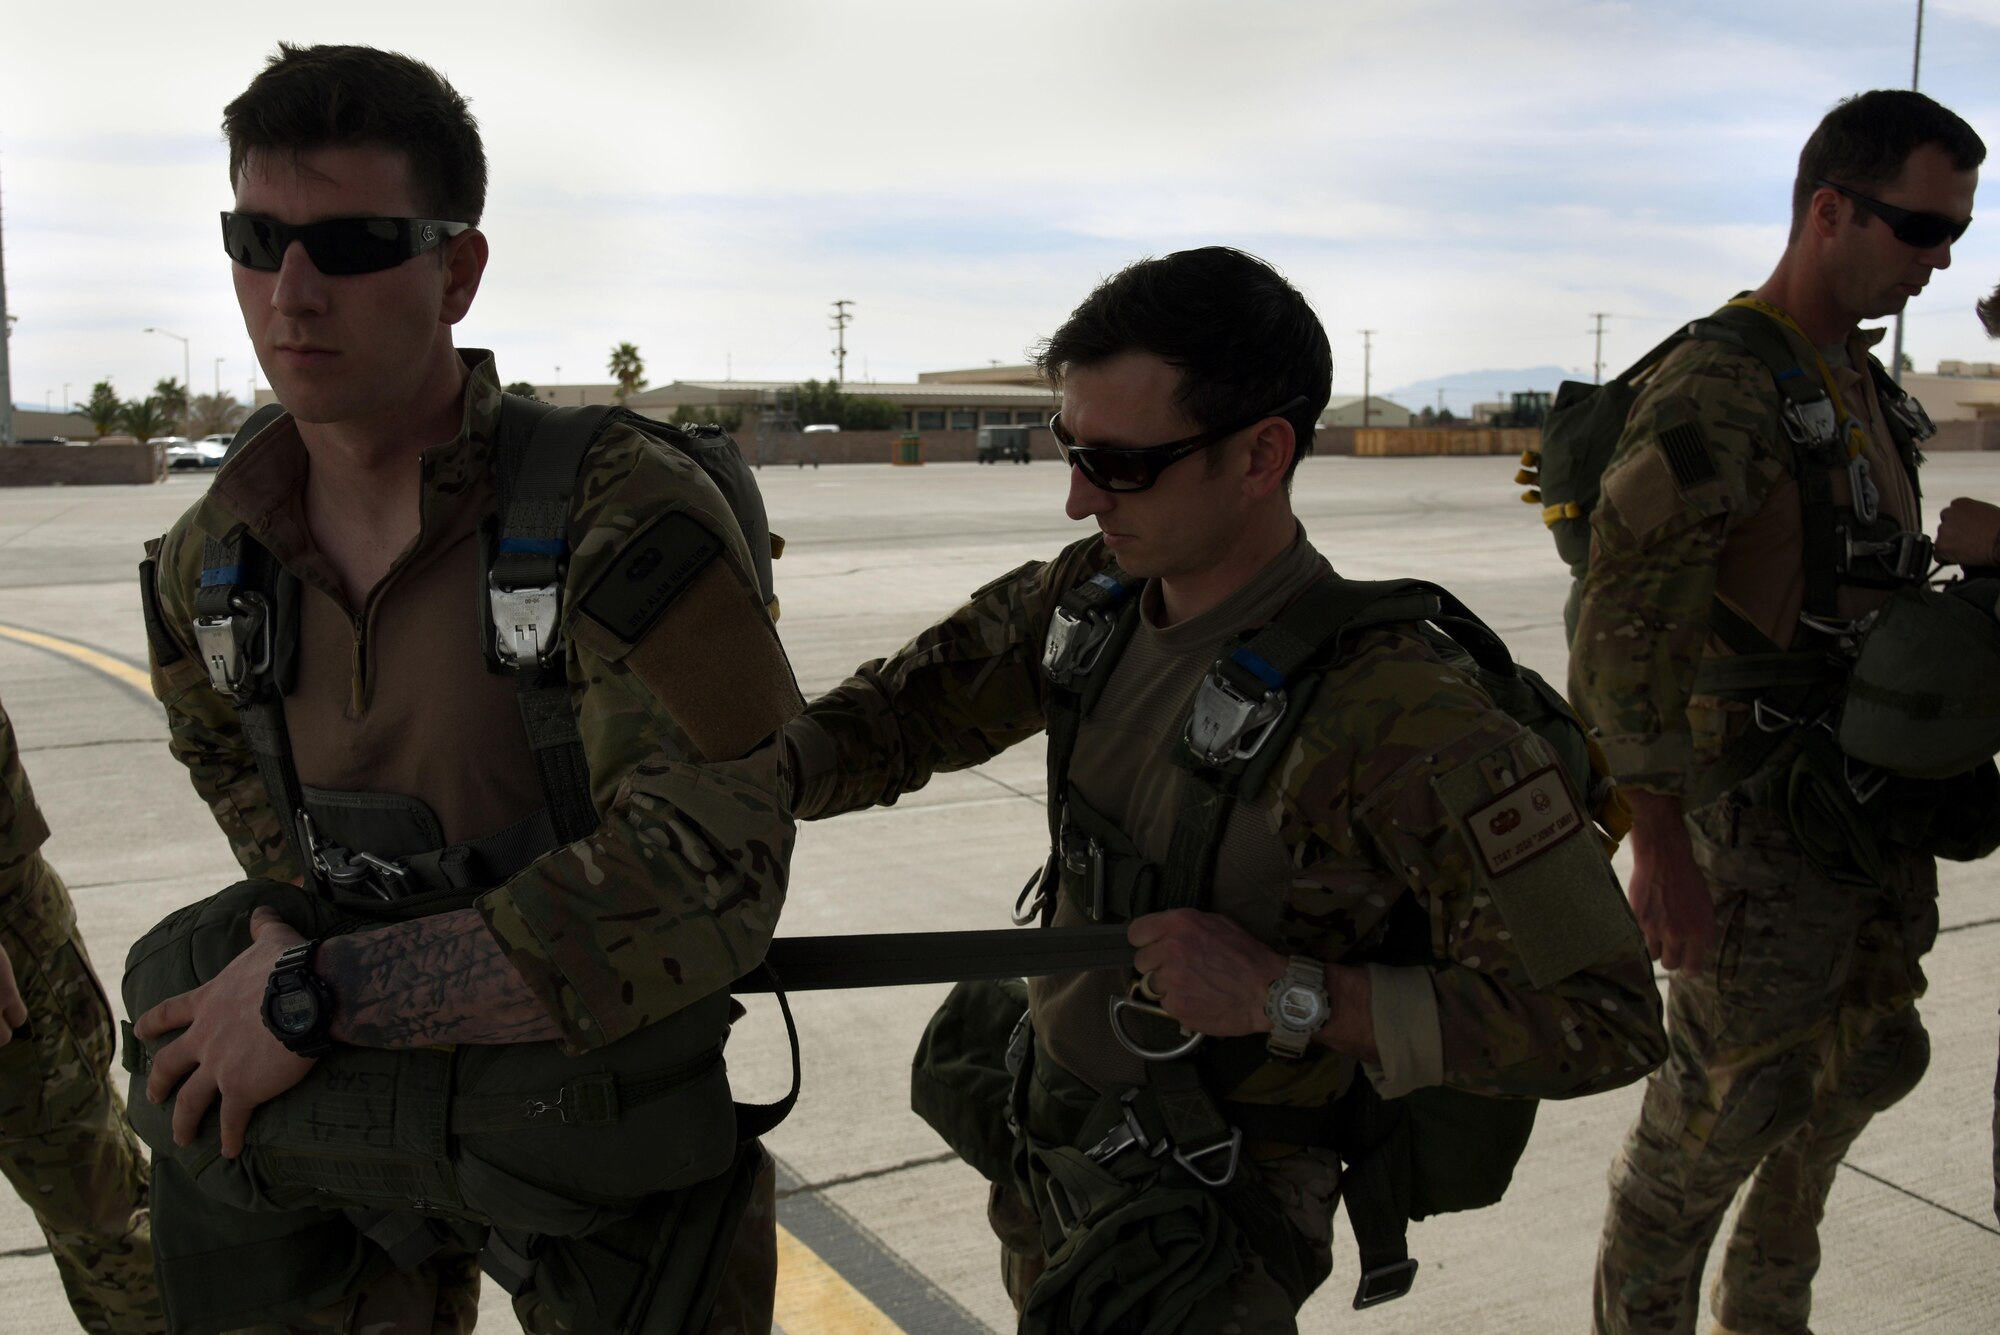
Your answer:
<point x="1138" y="468"/>
<point x="335" y="246"/>
<point x="1919" y="230"/>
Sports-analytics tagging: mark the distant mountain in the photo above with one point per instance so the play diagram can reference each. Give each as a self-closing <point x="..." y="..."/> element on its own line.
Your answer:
<point x="1466" y="388"/>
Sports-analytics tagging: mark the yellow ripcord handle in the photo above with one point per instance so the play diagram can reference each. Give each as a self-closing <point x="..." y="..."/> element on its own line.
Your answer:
<point x="1770" y="312"/>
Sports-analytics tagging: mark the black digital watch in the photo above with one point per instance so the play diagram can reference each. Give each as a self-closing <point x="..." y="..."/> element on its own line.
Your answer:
<point x="298" y="1005"/>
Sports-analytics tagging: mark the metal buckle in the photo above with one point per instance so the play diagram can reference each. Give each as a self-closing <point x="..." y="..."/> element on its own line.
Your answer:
<point x="1124" y="1136"/>
<point x="224" y="641"/>
<point x="1385" y="1283"/>
<point x="1119" y="1005"/>
<point x="1907" y="555"/>
<point x="1811" y="423"/>
<point x="1075" y="644"/>
<point x="1233" y="1146"/>
<point x="1866" y="784"/>
<point x="1227" y="726"/>
<point x="526" y="623"/>
<point x="1062" y="1206"/>
<point x="346" y="870"/>
<point x="532" y="1107"/>
<point x="1769" y="718"/>
<point x="1912" y="414"/>
<point x="1863" y="493"/>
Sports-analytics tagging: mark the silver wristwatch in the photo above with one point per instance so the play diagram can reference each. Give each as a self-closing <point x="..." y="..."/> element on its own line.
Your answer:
<point x="1297" y="1006"/>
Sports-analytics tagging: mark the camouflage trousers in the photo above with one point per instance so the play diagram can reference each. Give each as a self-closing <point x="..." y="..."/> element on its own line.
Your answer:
<point x="1800" y="1026"/>
<point x="64" y="1143"/>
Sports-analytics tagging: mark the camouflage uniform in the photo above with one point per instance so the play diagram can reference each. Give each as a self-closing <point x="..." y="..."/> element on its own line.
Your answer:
<point x="1362" y="810"/>
<point x="677" y="891"/>
<point x="1800" y="1023"/>
<point x="63" y="1139"/>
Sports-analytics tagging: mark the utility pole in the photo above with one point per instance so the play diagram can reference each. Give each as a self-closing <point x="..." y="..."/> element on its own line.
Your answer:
<point x="1597" y="359"/>
<point x="1916" y="60"/>
<point x="6" y="380"/>
<point x="1367" y="349"/>
<point x="218" y="377"/>
<point x="840" y="322"/>
<point x="187" y="375"/>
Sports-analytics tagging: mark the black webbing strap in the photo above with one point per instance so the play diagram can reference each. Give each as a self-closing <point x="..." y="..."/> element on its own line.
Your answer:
<point x="816" y="963"/>
<point x="237" y="574"/>
<point x="538" y="450"/>
<point x="252" y="426"/>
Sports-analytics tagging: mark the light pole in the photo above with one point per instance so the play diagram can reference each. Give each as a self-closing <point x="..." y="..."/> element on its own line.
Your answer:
<point x="186" y="371"/>
<point x="218" y="375"/>
<point x="67" y="405"/>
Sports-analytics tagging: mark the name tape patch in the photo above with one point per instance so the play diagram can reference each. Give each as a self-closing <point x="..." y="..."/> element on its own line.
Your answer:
<point x="652" y="571"/>
<point x="1526" y="821"/>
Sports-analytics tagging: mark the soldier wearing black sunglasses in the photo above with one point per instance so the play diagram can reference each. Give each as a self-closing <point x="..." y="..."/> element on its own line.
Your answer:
<point x="1754" y="475"/>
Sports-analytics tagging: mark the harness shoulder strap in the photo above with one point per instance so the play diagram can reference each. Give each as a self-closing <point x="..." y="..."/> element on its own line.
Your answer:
<point x="252" y="425"/>
<point x="537" y="452"/>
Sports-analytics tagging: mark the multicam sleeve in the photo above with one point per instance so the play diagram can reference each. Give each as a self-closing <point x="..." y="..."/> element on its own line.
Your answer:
<point x="681" y="689"/>
<point x="1700" y="452"/>
<point x="1538" y="983"/>
<point x="203" y="731"/>
<point x="22" y="829"/>
<point x="955" y="696"/>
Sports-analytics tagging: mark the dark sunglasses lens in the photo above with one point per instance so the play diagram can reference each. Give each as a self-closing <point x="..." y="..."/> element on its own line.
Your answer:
<point x="1115" y="470"/>
<point x="252" y="242"/>
<point x="355" y="245"/>
<point x="1924" y="230"/>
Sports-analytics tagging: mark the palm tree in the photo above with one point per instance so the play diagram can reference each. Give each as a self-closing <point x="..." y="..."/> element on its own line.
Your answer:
<point x="627" y="370"/>
<point x="144" y="418"/>
<point x="104" y="408"/>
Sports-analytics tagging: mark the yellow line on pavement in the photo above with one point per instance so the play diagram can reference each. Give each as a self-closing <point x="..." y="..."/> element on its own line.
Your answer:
<point x="83" y="654"/>
<point x="814" y="1300"/>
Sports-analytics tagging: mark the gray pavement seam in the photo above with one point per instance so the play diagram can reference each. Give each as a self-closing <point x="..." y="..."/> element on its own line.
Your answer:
<point x="868" y="1174"/>
<point x="1979" y="1224"/>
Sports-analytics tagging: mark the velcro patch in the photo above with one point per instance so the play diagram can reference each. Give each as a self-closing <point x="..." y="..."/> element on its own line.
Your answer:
<point x="1687" y="454"/>
<point x="650" y="573"/>
<point x="1528" y="820"/>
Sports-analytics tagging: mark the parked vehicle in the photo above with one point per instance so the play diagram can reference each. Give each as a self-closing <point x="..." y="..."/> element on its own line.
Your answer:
<point x="48" y="440"/>
<point x="184" y="454"/>
<point x="819" y="426"/>
<point x="1003" y="442"/>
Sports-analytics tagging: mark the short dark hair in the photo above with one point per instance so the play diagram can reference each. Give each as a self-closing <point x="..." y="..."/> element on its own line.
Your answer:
<point x="1243" y="338"/>
<point x="1989" y="313"/>
<point x="1865" y="140"/>
<point x="311" y="97"/>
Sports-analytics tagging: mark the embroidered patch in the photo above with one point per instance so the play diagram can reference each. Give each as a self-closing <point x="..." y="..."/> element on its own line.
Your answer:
<point x="1526" y="821"/>
<point x="1687" y="454"/>
<point x="650" y="573"/>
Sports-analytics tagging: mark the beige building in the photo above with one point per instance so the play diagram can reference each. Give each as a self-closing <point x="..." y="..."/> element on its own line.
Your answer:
<point x="1958" y="391"/>
<point x="1380" y="412"/>
<point x="928" y="405"/>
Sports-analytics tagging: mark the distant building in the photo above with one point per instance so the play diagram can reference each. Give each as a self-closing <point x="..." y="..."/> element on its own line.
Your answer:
<point x="34" y="424"/>
<point x="928" y="405"/>
<point x="1380" y="412"/>
<point x="1959" y="392"/>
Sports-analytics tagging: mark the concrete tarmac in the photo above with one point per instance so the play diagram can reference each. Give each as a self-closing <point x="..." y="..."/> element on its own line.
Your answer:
<point x="884" y="1230"/>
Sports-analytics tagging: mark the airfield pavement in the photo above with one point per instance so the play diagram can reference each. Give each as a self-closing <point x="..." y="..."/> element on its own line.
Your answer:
<point x="883" y="1230"/>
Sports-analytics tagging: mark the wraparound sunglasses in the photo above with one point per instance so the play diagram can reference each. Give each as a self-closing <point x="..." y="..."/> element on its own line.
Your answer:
<point x="336" y="245"/>
<point x="1138" y="468"/>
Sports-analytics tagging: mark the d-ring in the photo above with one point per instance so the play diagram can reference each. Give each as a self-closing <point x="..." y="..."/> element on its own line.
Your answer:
<point x="1119" y="1005"/>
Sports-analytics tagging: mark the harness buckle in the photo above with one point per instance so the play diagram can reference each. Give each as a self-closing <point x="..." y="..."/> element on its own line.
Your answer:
<point x="1865" y="496"/>
<point x="1075" y="644"/>
<point x="1769" y="718"/>
<point x="1119" y="1005"/>
<point x="1813" y="422"/>
<point x="527" y="622"/>
<point x="1865" y="783"/>
<point x="1906" y="556"/>
<point x="1026" y="910"/>
<point x="1384" y="1283"/>
<point x="1233" y="1147"/>
<point x="1124" y="1136"/>
<point x="1905" y="408"/>
<point x="345" y="870"/>
<point x="236" y="646"/>
<point x="1226" y="725"/>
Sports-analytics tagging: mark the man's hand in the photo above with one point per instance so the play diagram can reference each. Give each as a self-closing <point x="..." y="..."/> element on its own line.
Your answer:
<point x="1669" y="896"/>
<point x="1969" y="533"/>
<point x="226" y="1050"/>
<point x="1207" y="972"/>
<point x="13" y="1011"/>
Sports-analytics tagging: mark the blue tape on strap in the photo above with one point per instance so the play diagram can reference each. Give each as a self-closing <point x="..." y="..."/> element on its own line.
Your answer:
<point x="215" y="575"/>
<point x="1258" y="668"/>
<point x="1110" y="585"/>
<point x="533" y="546"/>
<point x="1787" y="374"/>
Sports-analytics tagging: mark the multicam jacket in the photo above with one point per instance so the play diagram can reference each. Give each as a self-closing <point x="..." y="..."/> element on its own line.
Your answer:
<point x="1396" y="758"/>
<point x="1700" y="502"/>
<point x="22" y="830"/>
<point x="677" y="891"/>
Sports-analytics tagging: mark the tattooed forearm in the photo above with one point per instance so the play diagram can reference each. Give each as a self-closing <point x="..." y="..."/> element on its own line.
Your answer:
<point x="435" y="980"/>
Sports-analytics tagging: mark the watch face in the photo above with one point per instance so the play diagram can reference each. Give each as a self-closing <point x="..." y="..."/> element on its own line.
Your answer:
<point x="1299" y="1008"/>
<point x="294" y="1012"/>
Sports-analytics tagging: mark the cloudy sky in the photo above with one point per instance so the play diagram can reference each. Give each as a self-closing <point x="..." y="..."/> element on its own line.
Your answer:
<point x="1472" y="179"/>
